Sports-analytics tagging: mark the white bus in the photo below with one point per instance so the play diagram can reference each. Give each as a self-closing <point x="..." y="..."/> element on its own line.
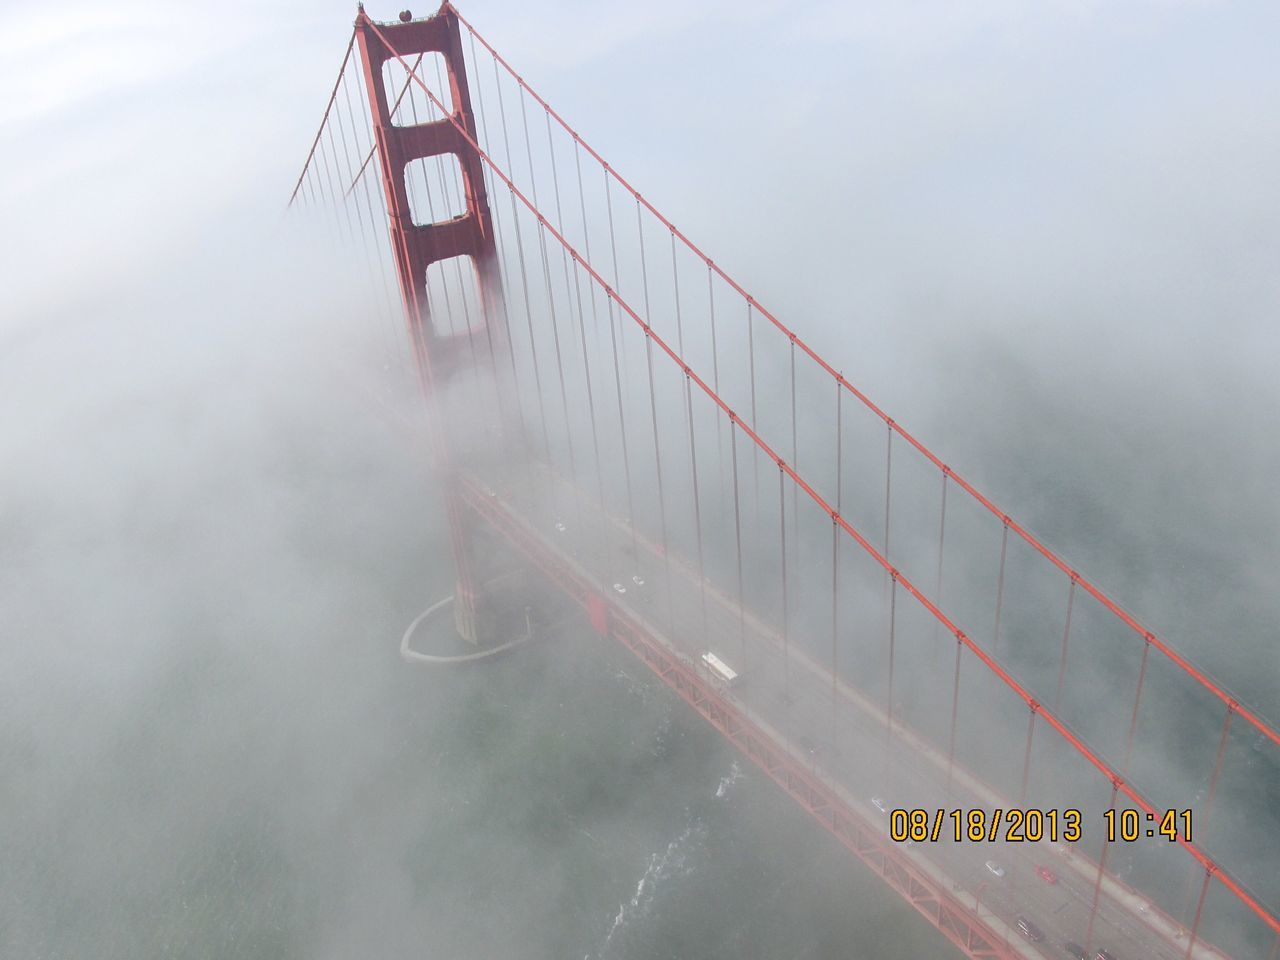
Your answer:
<point x="720" y="670"/>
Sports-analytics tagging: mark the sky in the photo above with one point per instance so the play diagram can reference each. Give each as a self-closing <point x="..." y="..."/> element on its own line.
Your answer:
<point x="1044" y="237"/>
<point x="958" y="203"/>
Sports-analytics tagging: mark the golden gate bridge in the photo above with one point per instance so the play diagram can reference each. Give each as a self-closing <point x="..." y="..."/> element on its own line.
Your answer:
<point x="616" y="418"/>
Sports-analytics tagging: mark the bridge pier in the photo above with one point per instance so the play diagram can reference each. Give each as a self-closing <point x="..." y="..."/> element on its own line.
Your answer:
<point x="464" y="612"/>
<point x="492" y="589"/>
<point x="474" y="613"/>
<point x="444" y="355"/>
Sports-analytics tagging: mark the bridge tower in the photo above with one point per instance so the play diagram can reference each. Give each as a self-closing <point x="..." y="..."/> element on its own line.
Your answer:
<point x="439" y="354"/>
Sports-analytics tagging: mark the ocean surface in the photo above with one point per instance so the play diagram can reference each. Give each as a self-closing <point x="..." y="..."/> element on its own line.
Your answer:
<point x="211" y="748"/>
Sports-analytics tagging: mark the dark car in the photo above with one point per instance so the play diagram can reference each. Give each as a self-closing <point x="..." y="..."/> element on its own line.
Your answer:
<point x="1030" y="930"/>
<point x="1075" y="951"/>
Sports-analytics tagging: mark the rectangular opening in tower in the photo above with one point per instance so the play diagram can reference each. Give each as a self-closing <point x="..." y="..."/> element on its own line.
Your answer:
<point x="436" y="188"/>
<point x="407" y="102"/>
<point x="453" y="297"/>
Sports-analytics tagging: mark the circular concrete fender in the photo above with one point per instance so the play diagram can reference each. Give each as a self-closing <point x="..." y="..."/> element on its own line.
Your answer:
<point x="433" y="612"/>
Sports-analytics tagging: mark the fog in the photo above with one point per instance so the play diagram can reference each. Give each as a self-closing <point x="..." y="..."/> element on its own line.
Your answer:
<point x="1043" y="240"/>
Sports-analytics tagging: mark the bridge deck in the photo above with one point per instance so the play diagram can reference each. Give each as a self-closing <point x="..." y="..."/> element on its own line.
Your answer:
<point x="846" y="751"/>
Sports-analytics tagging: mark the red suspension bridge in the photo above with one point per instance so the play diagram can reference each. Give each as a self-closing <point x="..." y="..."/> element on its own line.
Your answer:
<point x="615" y="416"/>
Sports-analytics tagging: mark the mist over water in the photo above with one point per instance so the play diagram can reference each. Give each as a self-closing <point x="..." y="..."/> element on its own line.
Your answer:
<point x="213" y="748"/>
<point x="217" y="513"/>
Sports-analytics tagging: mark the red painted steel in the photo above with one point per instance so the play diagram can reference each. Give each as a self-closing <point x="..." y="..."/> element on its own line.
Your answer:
<point x="417" y="246"/>
<point x="957" y="922"/>
<point x="1260" y="724"/>
<point x="1094" y="759"/>
<point x="325" y="119"/>
<point x="374" y="149"/>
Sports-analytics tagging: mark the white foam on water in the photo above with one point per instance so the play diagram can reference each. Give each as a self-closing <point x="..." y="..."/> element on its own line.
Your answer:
<point x="729" y="779"/>
<point x="663" y="867"/>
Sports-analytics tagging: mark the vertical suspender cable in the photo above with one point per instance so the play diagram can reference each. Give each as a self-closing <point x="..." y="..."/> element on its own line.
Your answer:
<point x="715" y="377"/>
<point x="835" y="627"/>
<point x="564" y="395"/>
<point x="955" y="709"/>
<point x="942" y="538"/>
<point x="1195" y="925"/>
<point x="893" y="619"/>
<point x="1026" y="757"/>
<point x="737" y="532"/>
<point x="524" y="277"/>
<point x="582" y="336"/>
<point x="555" y="324"/>
<point x="555" y="184"/>
<point x="1137" y="701"/>
<point x="755" y="422"/>
<point x="786" y="623"/>
<point x="839" y="449"/>
<point x="693" y="456"/>
<point x="347" y="159"/>
<point x="613" y="250"/>
<point x="644" y="265"/>
<point x="389" y="298"/>
<point x="327" y="142"/>
<point x="570" y="300"/>
<point x="795" y="458"/>
<point x="1203" y="819"/>
<point x="662" y="501"/>
<point x="366" y="119"/>
<point x="342" y="69"/>
<point x="888" y="484"/>
<point x="486" y="295"/>
<point x="1004" y="545"/>
<point x="613" y="343"/>
<point x="675" y="283"/>
<point x="367" y="238"/>
<point x="1066" y="634"/>
<point x="504" y="292"/>
<point x="653" y="411"/>
<point x="1097" y="881"/>
<point x="697" y="510"/>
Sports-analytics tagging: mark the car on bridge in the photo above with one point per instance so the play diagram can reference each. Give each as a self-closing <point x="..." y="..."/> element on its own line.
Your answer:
<point x="1030" y="930"/>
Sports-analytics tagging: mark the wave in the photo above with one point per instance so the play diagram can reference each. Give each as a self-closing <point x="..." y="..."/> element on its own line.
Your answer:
<point x="661" y="869"/>
<point x="729" y="779"/>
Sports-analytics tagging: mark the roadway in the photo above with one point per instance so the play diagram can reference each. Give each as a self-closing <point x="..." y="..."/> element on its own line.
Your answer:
<point x="848" y="743"/>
